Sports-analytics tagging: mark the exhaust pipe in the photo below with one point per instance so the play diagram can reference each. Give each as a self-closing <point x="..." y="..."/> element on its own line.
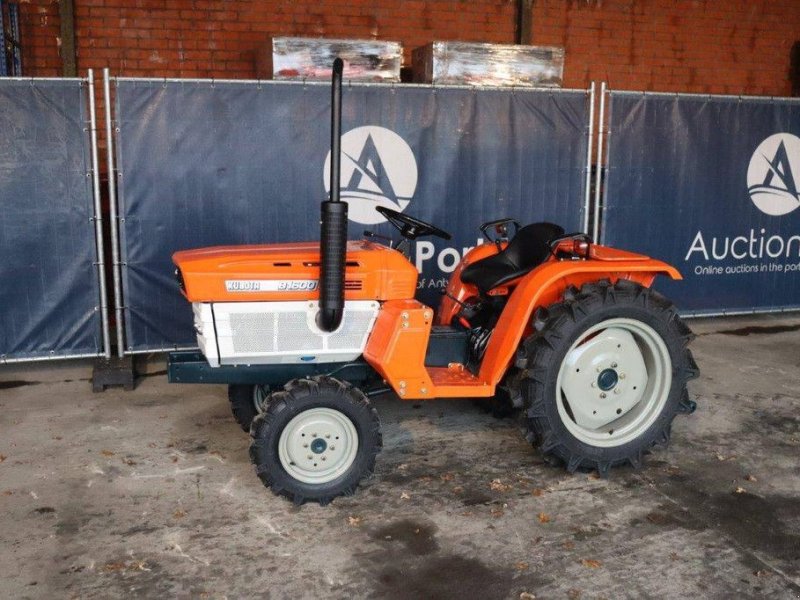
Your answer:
<point x="333" y="234"/>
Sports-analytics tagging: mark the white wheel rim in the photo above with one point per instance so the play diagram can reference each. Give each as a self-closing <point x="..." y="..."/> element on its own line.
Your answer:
<point x="613" y="382"/>
<point x="318" y="445"/>
<point x="260" y="393"/>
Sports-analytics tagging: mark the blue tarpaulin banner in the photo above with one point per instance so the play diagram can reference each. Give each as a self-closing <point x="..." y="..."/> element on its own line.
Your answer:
<point x="207" y="163"/>
<point x="710" y="185"/>
<point x="49" y="291"/>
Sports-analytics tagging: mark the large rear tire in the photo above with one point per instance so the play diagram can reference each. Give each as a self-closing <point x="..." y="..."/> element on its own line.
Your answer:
<point x="317" y="439"/>
<point x="606" y="373"/>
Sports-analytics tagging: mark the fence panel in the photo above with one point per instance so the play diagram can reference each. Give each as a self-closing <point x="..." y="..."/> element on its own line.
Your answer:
<point x="206" y="163"/>
<point x="709" y="184"/>
<point x="49" y="286"/>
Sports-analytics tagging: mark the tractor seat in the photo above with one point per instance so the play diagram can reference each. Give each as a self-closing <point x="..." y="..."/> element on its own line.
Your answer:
<point x="529" y="248"/>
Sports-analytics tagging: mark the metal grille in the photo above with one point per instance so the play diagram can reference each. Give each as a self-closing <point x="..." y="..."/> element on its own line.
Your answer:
<point x="252" y="332"/>
<point x="294" y="334"/>
<point x="350" y="334"/>
<point x="272" y="332"/>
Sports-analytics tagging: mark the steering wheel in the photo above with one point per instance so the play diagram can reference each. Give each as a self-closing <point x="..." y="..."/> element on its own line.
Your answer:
<point x="410" y="227"/>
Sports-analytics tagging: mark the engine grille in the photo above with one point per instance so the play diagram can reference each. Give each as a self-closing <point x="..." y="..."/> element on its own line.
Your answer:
<point x="251" y="331"/>
<point x="283" y="332"/>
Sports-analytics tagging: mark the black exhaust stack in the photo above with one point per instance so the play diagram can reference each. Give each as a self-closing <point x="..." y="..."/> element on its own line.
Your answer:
<point x="333" y="235"/>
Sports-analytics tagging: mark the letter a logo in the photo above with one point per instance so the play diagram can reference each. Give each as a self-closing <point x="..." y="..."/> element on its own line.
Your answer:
<point x="378" y="169"/>
<point x="770" y="177"/>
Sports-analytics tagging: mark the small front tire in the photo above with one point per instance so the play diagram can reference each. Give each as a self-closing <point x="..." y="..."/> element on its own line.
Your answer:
<point x="317" y="439"/>
<point x="247" y="402"/>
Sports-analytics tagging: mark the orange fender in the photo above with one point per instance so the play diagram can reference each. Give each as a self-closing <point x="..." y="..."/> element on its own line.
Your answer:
<point x="546" y="284"/>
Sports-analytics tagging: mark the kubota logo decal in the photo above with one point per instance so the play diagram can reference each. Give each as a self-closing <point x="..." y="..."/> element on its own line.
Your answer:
<point x="271" y="285"/>
<point x="771" y="175"/>
<point x="378" y="169"/>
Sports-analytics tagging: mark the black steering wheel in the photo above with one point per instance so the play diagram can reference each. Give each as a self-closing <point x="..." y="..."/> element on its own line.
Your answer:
<point x="409" y="227"/>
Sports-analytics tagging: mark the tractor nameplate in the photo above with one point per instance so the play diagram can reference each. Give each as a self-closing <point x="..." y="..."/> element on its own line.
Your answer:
<point x="271" y="285"/>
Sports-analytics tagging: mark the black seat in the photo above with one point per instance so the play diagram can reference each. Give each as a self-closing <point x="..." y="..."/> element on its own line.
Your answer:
<point x="529" y="248"/>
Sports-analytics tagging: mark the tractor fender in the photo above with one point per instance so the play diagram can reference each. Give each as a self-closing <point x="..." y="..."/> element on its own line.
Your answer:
<point x="545" y="285"/>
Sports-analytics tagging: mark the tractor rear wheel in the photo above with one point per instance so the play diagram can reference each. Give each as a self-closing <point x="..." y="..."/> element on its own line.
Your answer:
<point x="606" y="374"/>
<point x="247" y="402"/>
<point x="316" y="440"/>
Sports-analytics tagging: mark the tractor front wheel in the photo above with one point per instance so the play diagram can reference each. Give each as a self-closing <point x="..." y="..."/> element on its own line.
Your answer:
<point x="316" y="440"/>
<point x="247" y="402"/>
<point x="606" y="374"/>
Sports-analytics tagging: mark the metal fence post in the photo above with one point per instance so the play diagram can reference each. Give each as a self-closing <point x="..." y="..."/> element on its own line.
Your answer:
<point x="587" y="194"/>
<point x="98" y="217"/>
<point x="113" y="214"/>
<point x="3" y="65"/>
<point x="598" y="180"/>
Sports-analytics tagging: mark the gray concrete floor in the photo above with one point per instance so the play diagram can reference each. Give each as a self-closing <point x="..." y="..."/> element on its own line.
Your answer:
<point x="150" y="494"/>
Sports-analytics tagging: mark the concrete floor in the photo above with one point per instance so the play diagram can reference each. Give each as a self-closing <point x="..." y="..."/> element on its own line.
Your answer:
<point x="150" y="494"/>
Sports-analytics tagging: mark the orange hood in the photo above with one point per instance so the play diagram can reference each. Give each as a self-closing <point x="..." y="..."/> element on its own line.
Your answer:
<point x="284" y="272"/>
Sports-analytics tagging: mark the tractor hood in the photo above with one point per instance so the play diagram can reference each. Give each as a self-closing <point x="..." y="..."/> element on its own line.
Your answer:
<point x="284" y="272"/>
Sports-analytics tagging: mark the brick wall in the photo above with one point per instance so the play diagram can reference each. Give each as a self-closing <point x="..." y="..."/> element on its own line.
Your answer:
<point x="707" y="46"/>
<point x="714" y="46"/>
<point x="220" y="38"/>
<point x="39" y="28"/>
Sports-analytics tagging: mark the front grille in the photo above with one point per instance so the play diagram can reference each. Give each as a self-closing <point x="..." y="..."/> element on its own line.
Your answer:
<point x="273" y="332"/>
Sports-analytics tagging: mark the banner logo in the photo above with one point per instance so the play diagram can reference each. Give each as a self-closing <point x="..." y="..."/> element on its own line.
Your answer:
<point x="772" y="175"/>
<point x="378" y="169"/>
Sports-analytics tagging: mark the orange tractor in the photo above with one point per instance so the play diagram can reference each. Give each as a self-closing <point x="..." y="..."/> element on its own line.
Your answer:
<point x="565" y="330"/>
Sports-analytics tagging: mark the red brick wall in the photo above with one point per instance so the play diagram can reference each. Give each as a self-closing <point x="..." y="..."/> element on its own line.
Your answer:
<point x="707" y="46"/>
<point x="220" y="38"/>
<point x="39" y="28"/>
<point x="715" y="46"/>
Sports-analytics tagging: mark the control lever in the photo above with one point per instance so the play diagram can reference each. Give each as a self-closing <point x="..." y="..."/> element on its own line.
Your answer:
<point x="461" y="318"/>
<point x="453" y="298"/>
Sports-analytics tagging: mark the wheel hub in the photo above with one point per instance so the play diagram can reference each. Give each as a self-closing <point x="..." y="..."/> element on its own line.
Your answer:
<point x="604" y="377"/>
<point x="613" y="382"/>
<point x="318" y="445"/>
<point x="607" y="380"/>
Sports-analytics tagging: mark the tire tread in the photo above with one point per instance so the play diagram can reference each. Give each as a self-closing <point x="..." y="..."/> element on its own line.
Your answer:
<point x="555" y="323"/>
<point x="297" y="392"/>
